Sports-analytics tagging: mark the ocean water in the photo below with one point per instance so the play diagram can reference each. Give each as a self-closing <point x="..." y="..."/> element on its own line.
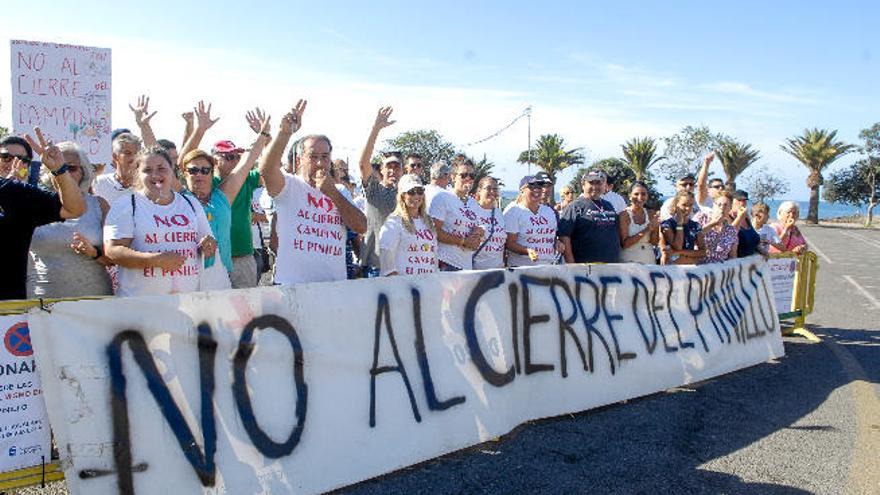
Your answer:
<point x="826" y="209"/>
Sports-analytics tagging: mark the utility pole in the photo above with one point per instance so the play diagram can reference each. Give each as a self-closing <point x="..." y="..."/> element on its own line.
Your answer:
<point x="529" y="117"/>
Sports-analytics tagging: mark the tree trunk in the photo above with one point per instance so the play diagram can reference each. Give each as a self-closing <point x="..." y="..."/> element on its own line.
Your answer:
<point x="813" y="215"/>
<point x="869" y="216"/>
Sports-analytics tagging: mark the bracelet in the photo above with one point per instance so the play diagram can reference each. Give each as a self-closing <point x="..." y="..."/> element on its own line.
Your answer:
<point x="62" y="169"/>
<point x="99" y="251"/>
<point x="679" y="228"/>
<point x="266" y="134"/>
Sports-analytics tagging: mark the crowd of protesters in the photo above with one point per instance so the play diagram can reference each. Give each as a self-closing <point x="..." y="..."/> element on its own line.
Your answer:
<point x="161" y="220"/>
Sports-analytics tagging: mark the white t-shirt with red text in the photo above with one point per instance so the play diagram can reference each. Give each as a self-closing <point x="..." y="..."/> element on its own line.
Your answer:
<point x="153" y="228"/>
<point x="492" y="253"/>
<point x="534" y="230"/>
<point x="459" y="218"/>
<point x="311" y="235"/>
<point x="405" y="252"/>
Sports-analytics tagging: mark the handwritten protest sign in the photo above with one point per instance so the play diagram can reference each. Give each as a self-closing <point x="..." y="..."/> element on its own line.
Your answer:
<point x="65" y="90"/>
<point x="309" y="388"/>
<point x="24" y="425"/>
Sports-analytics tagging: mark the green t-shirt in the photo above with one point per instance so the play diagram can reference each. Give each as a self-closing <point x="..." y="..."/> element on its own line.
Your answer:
<point x="242" y="238"/>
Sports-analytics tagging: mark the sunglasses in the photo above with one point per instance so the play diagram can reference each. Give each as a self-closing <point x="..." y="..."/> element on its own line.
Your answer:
<point x="535" y="187"/>
<point x="416" y="191"/>
<point x="8" y="157"/>
<point x="230" y="156"/>
<point x="686" y="184"/>
<point x="467" y="175"/>
<point x="200" y="170"/>
<point x="717" y="186"/>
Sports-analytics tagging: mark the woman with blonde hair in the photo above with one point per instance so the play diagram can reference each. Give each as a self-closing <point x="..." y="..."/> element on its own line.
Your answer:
<point x="67" y="258"/>
<point x="408" y="239"/>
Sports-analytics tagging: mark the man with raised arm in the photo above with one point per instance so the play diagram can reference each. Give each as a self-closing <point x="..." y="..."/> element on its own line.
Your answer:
<point x="311" y="213"/>
<point x="24" y="207"/>
<point x="707" y="189"/>
<point x="380" y="191"/>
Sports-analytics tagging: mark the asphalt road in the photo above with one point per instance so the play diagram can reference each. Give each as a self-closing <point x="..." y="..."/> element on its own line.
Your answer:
<point x="808" y="423"/>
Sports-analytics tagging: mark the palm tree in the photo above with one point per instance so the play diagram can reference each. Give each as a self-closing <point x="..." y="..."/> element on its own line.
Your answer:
<point x="482" y="168"/>
<point x="735" y="158"/>
<point x="816" y="149"/>
<point x="639" y="155"/>
<point x="550" y="156"/>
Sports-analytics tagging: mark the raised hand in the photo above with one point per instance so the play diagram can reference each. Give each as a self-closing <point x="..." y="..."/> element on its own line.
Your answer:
<point x="255" y="119"/>
<point x="188" y="117"/>
<point x="709" y="157"/>
<point x="292" y="121"/>
<point x="383" y="118"/>
<point x="50" y="155"/>
<point x="141" y="111"/>
<point x="203" y="116"/>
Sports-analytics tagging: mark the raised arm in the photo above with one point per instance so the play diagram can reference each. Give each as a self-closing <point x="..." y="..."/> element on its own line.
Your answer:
<point x="73" y="204"/>
<point x="203" y="123"/>
<point x="188" y="128"/>
<point x="231" y="185"/>
<point x="270" y="165"/>
<point x="703" y="178"/>
<point x="142" y="117"/>
<point x="380" y="123"/>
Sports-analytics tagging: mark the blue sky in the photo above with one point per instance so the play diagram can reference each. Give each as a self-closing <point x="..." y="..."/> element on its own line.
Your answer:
<point x="596" y="73"/>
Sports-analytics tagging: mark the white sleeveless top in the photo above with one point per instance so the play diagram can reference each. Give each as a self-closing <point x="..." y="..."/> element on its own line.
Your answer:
<point x="642" y="251"/>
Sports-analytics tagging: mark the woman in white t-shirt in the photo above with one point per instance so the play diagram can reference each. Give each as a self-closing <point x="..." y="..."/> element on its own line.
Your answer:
<point x="490" y="253"/>
<point x="407" y="240"/>
<point x="454" y="215"/>
<point x="157" y="236"/>
<point x="531" y="227"/>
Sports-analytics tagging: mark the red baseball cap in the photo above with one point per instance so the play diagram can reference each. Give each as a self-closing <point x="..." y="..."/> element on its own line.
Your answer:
<point x="226" y="146"/>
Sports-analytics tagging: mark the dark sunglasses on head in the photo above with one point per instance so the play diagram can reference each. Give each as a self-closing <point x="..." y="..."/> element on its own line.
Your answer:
<point x="467" y="175"/>
<point x="6" y="157"/>
<point x="416" y="191"/>
<point x="200" y="170"/>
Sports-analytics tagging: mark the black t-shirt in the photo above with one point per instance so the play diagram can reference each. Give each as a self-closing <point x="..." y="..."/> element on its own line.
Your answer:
<point x="23" y="208"/>
<point x="592" y="227"/>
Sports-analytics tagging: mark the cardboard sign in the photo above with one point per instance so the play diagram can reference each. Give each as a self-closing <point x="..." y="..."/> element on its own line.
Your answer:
<point x="310" y="388"/>
<point x="65" y="90"/>
<point x="24" y="425"/>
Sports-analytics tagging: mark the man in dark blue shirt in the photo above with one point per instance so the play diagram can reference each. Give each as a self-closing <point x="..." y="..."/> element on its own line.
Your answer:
<point x="24" y="207"/>
<point x="588" y="225"/>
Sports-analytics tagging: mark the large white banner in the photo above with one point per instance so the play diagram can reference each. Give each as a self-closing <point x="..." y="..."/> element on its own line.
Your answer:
<point x="24" y="425"/>
<point x="65" y="90"/>
<point x="310" y="388"/>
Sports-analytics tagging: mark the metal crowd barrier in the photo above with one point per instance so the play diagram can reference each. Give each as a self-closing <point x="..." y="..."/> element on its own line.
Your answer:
<point x="803" y="295"/>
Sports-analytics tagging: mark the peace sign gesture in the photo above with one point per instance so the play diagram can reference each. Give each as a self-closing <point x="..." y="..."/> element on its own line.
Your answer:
<point x="142" y="113"/>
<point x="50" y="155"/>
<point x="291" y="122"/>
<point x="382" y="118"/>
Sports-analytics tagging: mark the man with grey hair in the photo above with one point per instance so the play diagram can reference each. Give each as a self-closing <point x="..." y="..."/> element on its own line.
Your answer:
<point x="117" y="183"/>
<point x="311" y="212"/>
<point x="439" y="182"/>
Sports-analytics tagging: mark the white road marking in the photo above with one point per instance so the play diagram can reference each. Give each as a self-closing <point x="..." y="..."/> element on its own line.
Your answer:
<point x="859" y="237"/>
<point x="864" y="291"/>
<point x="813" y="247"/>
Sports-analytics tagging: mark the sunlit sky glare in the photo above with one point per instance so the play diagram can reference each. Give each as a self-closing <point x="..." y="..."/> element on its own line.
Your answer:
<point x="597" y="73"/>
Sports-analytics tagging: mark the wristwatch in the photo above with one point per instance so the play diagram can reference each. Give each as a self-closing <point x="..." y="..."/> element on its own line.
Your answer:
<point x="62" y="169"/>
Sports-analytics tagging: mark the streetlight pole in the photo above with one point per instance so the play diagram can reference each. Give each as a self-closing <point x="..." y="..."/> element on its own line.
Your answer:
<point x="529" y="118"/>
